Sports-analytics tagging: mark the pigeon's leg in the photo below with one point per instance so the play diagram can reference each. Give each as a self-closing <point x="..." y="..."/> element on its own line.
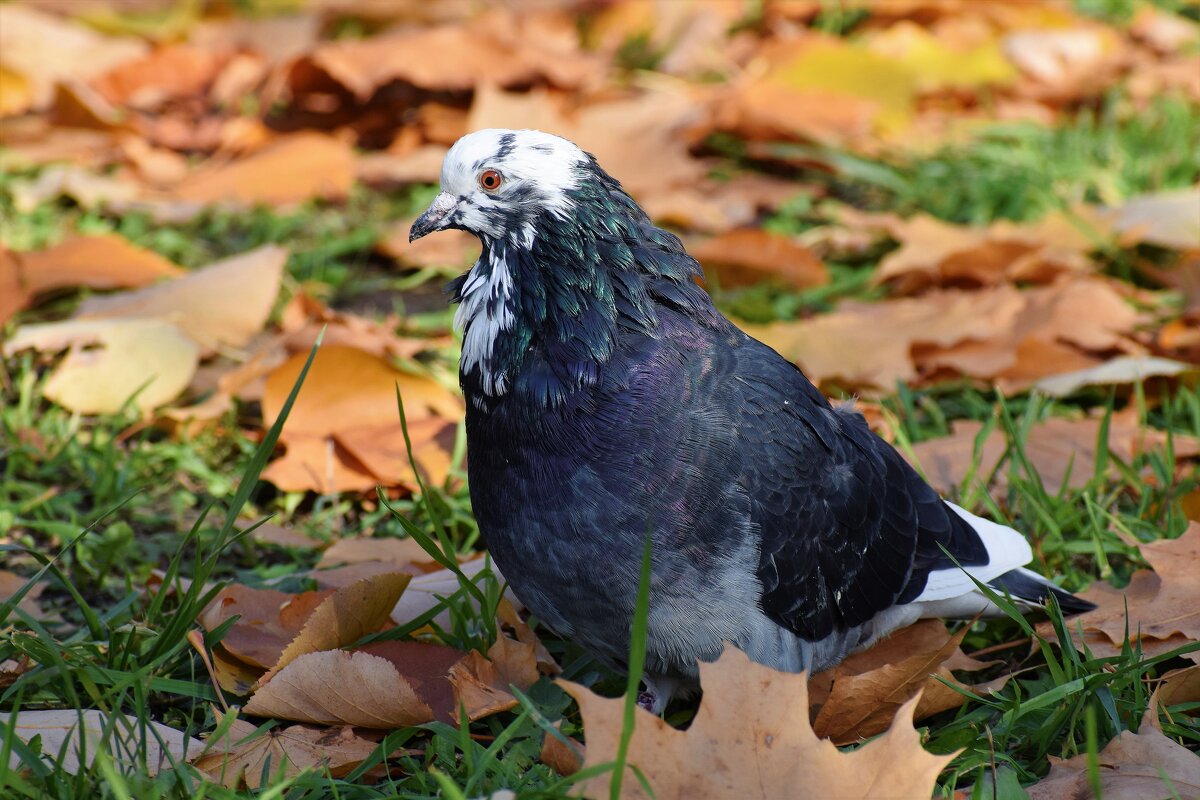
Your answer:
<point x="658" y="692"/>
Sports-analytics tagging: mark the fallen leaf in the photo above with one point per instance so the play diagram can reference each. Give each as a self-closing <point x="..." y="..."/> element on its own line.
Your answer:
<point x="383" y="685"/>
<point x="400" y="553"/>
<point x="79" y="735"/>
<point x="871" y="344"/>
<point x="313" y="463"/>
<point x="1167" y="219"/>
<point x="1062" y="451"/>
<point x="1064" y="63"/>
<point x="223" y="304"/>
<point x="1120" y="370"/>
<point x="1133" y="766"/>
<point x="244" y="753"/>
<point x="42" y="49"/>
<point x="442" y="58"/>
<point x="106" y="261"/>
<point x="11" y="583"/>
<point x="343" y="618"/>
<point x="863" y="694"/>
<point x="344" y="432"/>
<point x="272" y="176"/>
<point x="348" y="388"/>
<point x="1179" y="686"/>
<point x="383" y="451"/>
<point x="275" y="627"/>
<point x="933" y="252"/>
<point x="269" y="620"/>
<point x="278" y="38"/>
<point x="563" y="759"/>
<point x="1159" y="607"/>
<point x="169" y="72"/>
<point x="280" y="536"/>
<point x="110" y="362"/>
<point x="751" y="739"/>
<point x="1000" y="334"/>
<point x="751" y="255"/>
<point x="420" y="165"/>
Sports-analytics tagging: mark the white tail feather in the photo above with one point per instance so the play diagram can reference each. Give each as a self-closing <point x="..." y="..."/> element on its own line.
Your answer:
<point x="1007" y="550"/>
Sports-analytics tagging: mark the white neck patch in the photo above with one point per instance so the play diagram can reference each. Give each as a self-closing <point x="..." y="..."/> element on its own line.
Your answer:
<point x="483" y="315"/>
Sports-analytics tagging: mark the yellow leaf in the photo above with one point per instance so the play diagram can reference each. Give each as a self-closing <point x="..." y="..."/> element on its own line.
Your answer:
<point x="108" y="360"/>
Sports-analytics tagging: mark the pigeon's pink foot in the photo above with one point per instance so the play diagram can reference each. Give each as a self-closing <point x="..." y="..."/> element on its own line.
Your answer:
<point x="647" y="700"/>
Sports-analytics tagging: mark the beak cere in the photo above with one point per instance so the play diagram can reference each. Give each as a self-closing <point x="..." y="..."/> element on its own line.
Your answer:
<point x="433" y="217"/>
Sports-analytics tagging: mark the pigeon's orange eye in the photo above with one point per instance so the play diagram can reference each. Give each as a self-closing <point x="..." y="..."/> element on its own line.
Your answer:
<point x="490" y="180"/>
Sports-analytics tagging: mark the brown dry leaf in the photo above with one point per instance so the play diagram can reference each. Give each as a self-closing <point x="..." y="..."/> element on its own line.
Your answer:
<point x="421" y="165"/>
<point x="169" y="72"/>
<point x="751" y="739"/>
<point x="399" y="553"/>
<point x="38" y="50"/>
<point x="278" y="535"/>
<point x="1064" y="63"/>
<point x="1179" y="686"/>
<point x="11" y="583"/>
<point x="492" y="50"/>
<point x="751" y="255"/>
<point x="276" y="38"/>
<point x="269" y="620"/>
<point x="862" y="695"/>
<point x="13" y="295"/>
<point x="80" y="734"/>
<point x="1055" y="448"/>
<point x="107" y="261"/>
<point x="383" y="451"/>
<point x="240" y="756"/>
<point x="318" y="464"/>
<point x="109" y="361"/>
<point x="1000" y="334"/>
<point x="304" y="319"/>
<point x="223" y="304"/>
<point x="870" y="344"/>
<point x="344" y="432"/>
<point x="1131" y="767"/>
<point x="348" y="388"/>
<point x="1120" y="370"/>
<point x="563" y="759"/>
<point x="343" y="618"/>
<point x="1163" y="605"/>
<point x="234" y="675"/>
<point x="383" y="685"/>
<point x="274" y="627"/>
<point x="292" y="169"/>
<point x="1167" y="219"/>
<point x="711" y="206"/>
<point x="935" y="252"/>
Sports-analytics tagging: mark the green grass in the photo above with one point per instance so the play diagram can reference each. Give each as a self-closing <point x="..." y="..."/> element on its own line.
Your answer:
<point x="93" y="505"/>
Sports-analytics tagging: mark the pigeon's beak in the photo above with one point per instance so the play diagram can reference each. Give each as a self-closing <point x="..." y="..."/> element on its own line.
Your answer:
<point x="434" y="218"/>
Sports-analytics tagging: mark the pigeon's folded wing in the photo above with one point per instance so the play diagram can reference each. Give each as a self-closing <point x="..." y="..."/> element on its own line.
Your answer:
<point x="848" y="528"/>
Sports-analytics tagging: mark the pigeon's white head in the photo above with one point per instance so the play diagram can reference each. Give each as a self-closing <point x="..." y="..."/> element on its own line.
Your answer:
<point x="496" y="182"/>
<point x="568" y="258"/>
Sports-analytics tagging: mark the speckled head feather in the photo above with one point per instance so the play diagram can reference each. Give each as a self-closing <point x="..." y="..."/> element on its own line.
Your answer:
<point x="568" y="259"/>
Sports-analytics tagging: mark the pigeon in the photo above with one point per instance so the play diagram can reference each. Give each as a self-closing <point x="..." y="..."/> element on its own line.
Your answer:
<point x="608" y="401"/>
